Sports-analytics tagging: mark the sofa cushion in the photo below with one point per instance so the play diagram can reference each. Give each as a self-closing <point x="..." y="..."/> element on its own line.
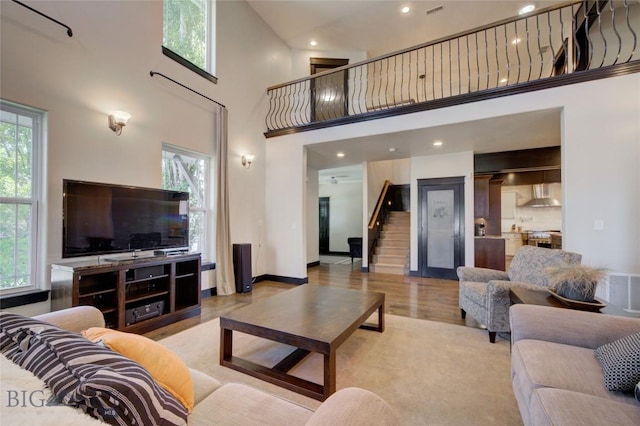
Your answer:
<point x="238" y="404"/>
<point x="104" y="384"/>
<point x="620" y="361"/>
<point x="165" y="367"/>
<point x="561" y="407"/>
<point x="540" y="364"/>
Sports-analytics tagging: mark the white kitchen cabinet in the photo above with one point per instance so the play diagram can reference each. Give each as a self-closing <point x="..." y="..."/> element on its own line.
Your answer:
<point x="508" y="205"/>
<point x="512" y="242"/>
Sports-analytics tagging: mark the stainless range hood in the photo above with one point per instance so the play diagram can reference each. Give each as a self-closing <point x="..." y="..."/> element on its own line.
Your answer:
<point x="541" y="197"/>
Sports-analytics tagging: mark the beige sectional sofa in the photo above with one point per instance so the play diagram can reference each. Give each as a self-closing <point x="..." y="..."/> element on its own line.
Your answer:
<point x="556" y="377"/>
<point x="215" y="403"/>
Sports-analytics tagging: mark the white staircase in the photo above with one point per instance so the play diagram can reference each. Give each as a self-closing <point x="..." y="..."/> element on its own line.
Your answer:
<point x="392" y="251"/>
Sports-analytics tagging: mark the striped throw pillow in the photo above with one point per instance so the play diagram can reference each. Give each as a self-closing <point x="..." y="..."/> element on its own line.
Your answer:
<point x="103" y="383"/>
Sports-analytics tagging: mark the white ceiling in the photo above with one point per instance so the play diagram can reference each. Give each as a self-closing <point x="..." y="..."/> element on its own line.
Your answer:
<point x="378" y="27"/>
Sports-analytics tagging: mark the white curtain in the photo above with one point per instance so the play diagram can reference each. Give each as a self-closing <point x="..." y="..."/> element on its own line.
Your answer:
<point x="225" y="282"/>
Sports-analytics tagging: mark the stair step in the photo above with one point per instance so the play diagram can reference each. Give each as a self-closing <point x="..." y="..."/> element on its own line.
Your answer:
<point x="394" y="235"/>
<point x="392" y="251"/>
<point x="396" y="227"/>
<point x="382" y="268"/>
<point x="390" y="242"/>
<point x="390" y="259"/>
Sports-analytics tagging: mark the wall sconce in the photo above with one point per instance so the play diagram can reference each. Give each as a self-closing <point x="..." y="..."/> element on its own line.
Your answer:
<point x="117" y="120"/>
<point x="247" y="159"/>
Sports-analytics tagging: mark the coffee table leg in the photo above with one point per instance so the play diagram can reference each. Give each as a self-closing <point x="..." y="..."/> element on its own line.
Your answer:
<point x="226" y="344"/>
<point x="381" y="318"/>
<point x="329" y="373"/>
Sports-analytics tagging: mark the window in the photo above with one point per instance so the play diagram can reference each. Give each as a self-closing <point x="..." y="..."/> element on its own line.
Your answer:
<point x="187" y="171"/>
<point x="21" y="146"/>
<point x="189" y="36"/>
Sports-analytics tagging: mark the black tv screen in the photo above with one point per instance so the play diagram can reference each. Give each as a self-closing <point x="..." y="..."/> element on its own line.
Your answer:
<point x="100" y="218"/>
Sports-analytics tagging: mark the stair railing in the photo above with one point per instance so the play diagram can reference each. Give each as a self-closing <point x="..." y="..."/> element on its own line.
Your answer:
<point x="378" y="217"/>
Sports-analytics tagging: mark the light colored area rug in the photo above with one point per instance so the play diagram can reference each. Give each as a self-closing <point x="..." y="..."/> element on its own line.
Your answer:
<point x="431" y="373"/>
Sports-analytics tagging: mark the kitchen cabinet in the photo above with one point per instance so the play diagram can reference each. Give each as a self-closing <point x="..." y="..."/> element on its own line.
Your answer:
<point x="489" y="253"/>
<point x="481" y="197"/>
<point x="508" y="207"/>
<point x="512" y="242"/>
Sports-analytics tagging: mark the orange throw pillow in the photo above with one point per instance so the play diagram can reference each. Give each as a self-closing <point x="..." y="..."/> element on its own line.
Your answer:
<point x="165" y="367"/>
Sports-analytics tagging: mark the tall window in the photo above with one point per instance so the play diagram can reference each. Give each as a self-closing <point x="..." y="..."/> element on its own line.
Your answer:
<point x="21" y="145"/>
<point x="189" y="36"/>
<point x="189" y="172"/>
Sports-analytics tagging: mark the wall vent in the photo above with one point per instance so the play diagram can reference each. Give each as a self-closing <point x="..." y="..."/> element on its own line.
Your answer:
<point x="435" y="9"/>
<point x="624" y="290"/>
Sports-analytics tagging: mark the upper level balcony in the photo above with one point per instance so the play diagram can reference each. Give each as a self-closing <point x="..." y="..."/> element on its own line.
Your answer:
<point x="566" y="44"/>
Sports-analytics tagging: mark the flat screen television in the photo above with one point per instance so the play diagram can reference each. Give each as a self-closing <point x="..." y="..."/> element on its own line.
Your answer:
<point x="100" y="218"/>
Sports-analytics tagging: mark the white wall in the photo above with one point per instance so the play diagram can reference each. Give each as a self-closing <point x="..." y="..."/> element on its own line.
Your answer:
<point x="105" y="66"/>
<point x="313" y="211"/>
<point x="398" y="172"/>
<point x="300" y="66"/>
<point x="345" y="213"/>
<point x="600" y="157"/>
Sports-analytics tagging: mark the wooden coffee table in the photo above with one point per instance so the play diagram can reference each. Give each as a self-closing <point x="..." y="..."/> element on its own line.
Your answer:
<point x="310" y="318"/>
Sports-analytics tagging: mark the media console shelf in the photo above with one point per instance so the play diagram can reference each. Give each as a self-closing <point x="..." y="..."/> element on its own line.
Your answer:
<point x="135" y="295"/>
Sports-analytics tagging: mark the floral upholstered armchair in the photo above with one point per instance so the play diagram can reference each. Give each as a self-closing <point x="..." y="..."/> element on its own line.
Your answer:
<point x="484" y="293"/>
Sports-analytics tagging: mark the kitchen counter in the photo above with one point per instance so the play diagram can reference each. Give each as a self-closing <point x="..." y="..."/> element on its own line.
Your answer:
<point x="499" y="237"/>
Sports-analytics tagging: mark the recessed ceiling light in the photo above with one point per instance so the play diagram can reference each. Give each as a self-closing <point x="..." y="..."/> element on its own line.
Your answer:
<point x="526" y="9"/>
<point x="437" y="143"/>
<point x="340" y="154"/>
<point x="392" y="149"/>
<point x="405" y="9"/>
<point x="313" y="43"/>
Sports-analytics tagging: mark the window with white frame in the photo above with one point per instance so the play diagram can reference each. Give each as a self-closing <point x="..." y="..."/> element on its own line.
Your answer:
<point x="189" y="172"/>
<point x="189" y="34"/>
<point x="21" y="147"/>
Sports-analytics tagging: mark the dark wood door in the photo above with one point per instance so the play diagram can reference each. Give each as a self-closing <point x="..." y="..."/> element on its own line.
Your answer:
<point x="440" y="227"/>
<point x="329" y="92"/>
<point x="324" y="225"/>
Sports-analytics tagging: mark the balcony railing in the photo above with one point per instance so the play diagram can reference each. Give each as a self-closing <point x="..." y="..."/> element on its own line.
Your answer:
<point x="573" y="42"/>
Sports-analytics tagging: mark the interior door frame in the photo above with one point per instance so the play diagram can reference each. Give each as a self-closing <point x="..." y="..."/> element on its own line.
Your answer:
<point x="324" y="64"/>
<point x="324" y="221"/>
<point x="457" y="185"/>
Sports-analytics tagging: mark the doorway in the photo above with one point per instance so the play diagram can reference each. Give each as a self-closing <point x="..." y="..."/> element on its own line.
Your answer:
<point x="440" y="227"/>
<point x="324" y="225"/>
<point x="329" y="92"/>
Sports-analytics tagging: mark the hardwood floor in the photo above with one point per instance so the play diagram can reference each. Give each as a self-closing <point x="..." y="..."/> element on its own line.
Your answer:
<point x="414" y="297"/>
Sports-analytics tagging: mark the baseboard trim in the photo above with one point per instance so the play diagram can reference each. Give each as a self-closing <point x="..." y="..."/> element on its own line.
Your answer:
<point x="281" y="279"/>
<point x="364" y="269"/>
<point x="7" y="302"/>
<point x="414" y="273"/>
<point x="312" y="264"/>
<point x="208" y="292"/>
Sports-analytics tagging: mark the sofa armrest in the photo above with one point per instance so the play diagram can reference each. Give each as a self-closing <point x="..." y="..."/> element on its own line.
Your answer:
<point x="568" y="326"/>
<point x="74" y="319"/>
<point x="354" y="407"/>
<point x="480" y="275"/>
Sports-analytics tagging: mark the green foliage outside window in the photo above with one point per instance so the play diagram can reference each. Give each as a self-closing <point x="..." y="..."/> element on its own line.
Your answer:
<point x="185" y="29"/>
<point x="182" y="172"/>
<point x="16" y="192"/>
